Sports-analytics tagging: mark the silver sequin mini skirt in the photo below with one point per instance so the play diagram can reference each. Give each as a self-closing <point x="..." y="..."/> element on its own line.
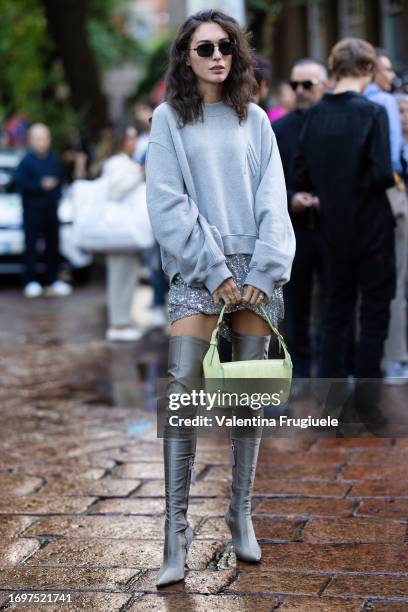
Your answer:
<point x="185" y="301"/>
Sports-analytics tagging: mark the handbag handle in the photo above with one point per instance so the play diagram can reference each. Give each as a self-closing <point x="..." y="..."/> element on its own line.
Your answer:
<point x="281" y="341"/>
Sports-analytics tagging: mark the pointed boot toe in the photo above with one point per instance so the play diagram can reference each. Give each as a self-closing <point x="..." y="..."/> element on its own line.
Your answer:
<point x="170" y="575"/>
<point x="243" y="537"/>
<point x="174" y="565"/>
<point x="251" y="553"/>
<point x="249" y="556"/>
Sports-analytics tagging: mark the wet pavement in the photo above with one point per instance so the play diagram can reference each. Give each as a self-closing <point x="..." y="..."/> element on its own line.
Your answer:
<point x="81" y="488"/>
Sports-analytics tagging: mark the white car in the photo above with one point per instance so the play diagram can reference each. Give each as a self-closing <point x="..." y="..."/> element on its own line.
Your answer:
<point x="11" y="223"/>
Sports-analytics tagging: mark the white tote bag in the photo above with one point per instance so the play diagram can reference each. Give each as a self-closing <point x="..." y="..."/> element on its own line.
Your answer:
<point x="106" y="226"/>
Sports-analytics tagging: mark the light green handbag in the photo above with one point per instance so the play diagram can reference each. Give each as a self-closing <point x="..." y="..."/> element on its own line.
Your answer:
<point x="277" y="371"/>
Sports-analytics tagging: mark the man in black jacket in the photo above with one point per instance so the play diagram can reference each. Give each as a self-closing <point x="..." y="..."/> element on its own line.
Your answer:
<point x="345" y="160"/>
<point x="38" y="178"/>
<point x="308" y="79"/>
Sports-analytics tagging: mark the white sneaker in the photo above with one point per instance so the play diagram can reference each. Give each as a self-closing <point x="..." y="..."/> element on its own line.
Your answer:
<point x="158" y="317"/>
<point x="58" y="289"/>
<point x="33" y="290"/>
<point x="124" y="334"/>
<point x="395" y="373"/>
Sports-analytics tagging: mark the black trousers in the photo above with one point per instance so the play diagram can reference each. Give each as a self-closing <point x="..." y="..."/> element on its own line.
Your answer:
<point x="370" y="273"/>
<point x="41" y="222"/>
<point x="308" y="264"/>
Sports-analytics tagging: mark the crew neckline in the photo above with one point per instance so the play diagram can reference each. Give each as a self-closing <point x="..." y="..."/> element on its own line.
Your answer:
<point x="213" y="109"/>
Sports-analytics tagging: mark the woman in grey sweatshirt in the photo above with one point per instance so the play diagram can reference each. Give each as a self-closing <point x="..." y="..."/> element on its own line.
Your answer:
<point x="217" y="202"/>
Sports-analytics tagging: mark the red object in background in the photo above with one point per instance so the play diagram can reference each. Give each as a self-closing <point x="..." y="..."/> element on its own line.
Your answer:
<point x="16" y="128"/>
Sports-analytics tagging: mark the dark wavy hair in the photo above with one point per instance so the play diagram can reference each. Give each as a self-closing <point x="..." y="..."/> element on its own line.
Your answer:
<point x="181" y="82"/>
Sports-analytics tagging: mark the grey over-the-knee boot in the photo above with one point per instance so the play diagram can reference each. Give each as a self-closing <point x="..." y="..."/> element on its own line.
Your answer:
<point x="186" y="355"/>
<point x="245" y="456"/>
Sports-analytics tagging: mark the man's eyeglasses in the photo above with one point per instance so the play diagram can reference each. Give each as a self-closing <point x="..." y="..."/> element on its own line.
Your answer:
<point x="207" y="49"/>
<point x="307" y="85"/>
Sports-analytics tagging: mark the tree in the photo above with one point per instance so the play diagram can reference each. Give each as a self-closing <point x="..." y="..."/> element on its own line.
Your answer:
<point x="67" y="25"/>
<point x="156" y="64"/>
<point x="262" y="17"/>
<point x="108" y="36"/>
<point x="51" y="55"/>
<point x="23" y="51"/>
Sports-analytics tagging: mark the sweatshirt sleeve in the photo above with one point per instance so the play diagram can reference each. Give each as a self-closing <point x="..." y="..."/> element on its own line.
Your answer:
<point x="274" y="250"/>
<point x="177" y="224"/>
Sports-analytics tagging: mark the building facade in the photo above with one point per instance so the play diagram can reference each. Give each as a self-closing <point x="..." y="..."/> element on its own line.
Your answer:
<point x="311" y="27"/>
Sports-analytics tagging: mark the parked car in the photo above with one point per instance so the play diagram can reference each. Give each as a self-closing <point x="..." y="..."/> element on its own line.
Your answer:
<point x="11" y="224"/>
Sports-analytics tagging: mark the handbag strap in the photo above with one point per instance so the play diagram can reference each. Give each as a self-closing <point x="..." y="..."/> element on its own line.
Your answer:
<point x="281" y="341"/>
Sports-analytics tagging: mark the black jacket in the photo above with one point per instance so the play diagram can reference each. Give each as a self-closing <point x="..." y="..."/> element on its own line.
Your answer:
<point x="287" y="130"/>
<point x="344" y="157"/>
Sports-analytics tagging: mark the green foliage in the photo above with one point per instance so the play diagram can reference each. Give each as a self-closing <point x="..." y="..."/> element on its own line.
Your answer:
<point x="32" y="80"/>
<point x="23" y="49"/>
<point x="156" y="64"/>
<point x="262" y="15"/>
<point x="268" y="7"/>
<point x="29" y="76"/>
<point x="108" y="36"/>
<point x="103" y="9"/>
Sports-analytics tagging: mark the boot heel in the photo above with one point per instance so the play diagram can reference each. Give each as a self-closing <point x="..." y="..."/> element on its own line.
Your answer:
<point x="243" y="537"/>
<point x="189" y="540"/>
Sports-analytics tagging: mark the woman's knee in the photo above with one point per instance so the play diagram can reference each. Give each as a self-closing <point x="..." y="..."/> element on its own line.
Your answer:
<point x="249" y="323"/>
<point x="199" y="326"/>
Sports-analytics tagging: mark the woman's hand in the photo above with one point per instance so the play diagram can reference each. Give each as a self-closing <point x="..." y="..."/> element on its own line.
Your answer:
<point x="228" y="292"/>
<point x="253" y="296"/>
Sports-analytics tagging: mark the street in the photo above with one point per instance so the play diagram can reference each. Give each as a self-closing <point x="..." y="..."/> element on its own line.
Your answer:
<point x="82" y="490"/>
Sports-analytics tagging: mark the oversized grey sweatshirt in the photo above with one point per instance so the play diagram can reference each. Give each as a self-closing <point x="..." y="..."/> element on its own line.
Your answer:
<point x="216" y="188"/>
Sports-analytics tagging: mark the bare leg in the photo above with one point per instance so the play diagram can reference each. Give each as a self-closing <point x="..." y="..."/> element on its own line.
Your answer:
<point x="201" y="326"/>
<point x="248" y="323"/>
<point x="198" y="326"/>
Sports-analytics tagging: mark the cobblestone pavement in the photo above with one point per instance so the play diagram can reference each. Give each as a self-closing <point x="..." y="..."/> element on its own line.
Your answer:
<point x="81" y="488"/>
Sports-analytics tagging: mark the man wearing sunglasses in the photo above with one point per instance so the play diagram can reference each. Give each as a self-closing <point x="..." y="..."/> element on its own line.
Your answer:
<point x="308" y="80"/>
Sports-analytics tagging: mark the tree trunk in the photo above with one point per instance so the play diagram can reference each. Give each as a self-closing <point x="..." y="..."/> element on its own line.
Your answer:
<point x="67" y="26"/>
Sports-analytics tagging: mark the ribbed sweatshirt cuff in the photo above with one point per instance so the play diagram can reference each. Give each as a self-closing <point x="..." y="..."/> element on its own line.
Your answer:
<point x="261" y="280"/>
<point x="216" y="275"/>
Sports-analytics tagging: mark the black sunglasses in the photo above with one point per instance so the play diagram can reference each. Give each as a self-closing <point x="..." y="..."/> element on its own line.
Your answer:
<point x="307" y="85"/>
<point x="207" y="49"/>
